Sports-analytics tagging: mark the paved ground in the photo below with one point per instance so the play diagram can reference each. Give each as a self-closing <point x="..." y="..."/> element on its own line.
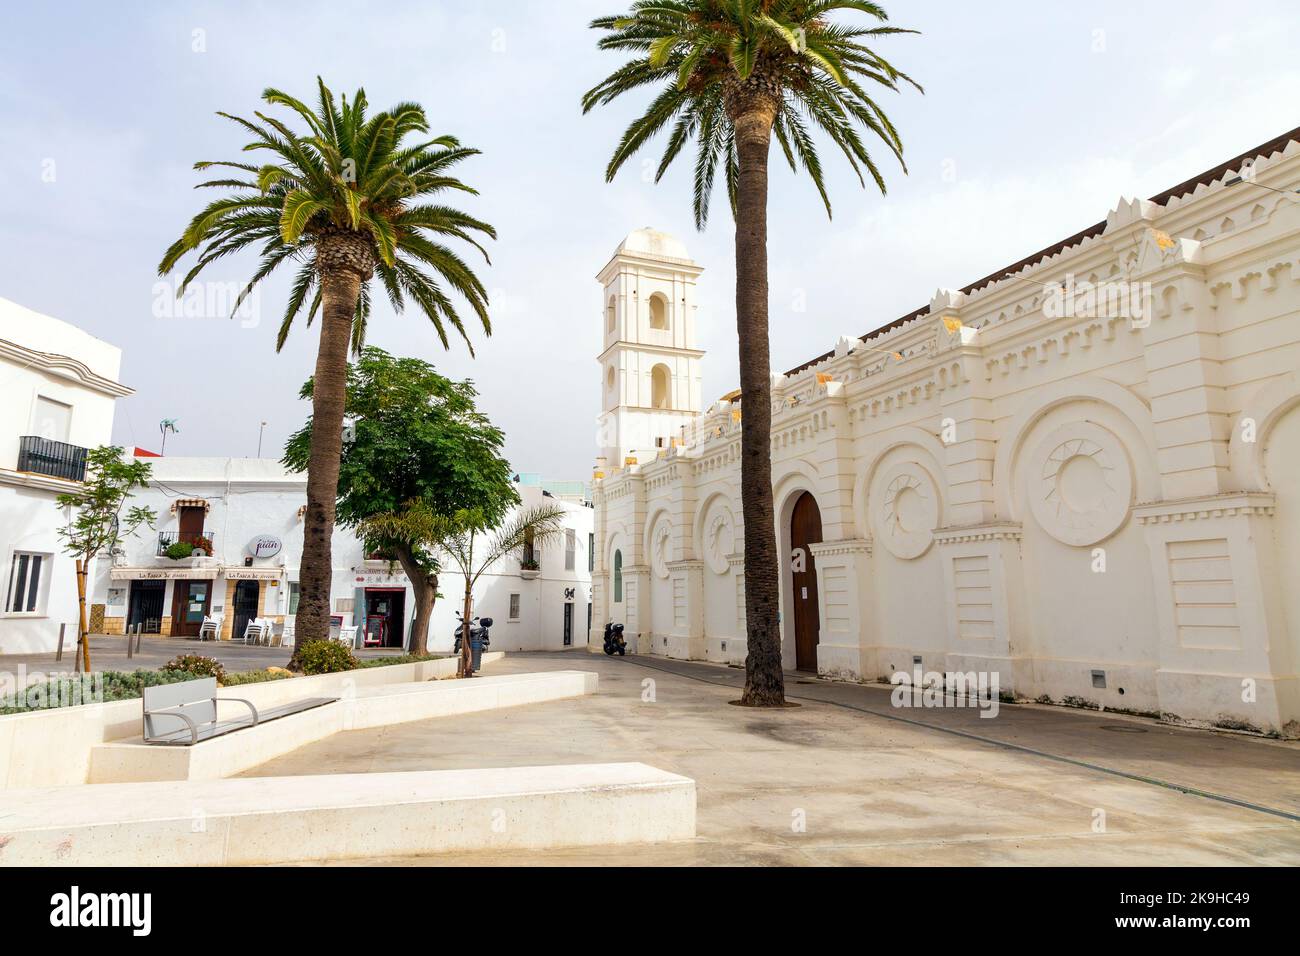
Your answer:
<point x="109" y="654"/>
<point x="870" y="784"/>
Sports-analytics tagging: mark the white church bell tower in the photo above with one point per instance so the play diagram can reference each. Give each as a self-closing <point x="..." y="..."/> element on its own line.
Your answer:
<point x="649" y="367"/>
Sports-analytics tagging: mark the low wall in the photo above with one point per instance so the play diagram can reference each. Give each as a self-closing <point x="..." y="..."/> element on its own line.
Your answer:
<point x="29" y="741"/>
<point x="345" y="816"/>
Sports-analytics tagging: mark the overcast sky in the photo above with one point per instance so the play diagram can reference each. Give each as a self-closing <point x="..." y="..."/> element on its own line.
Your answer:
<point x="1037" y="117"/>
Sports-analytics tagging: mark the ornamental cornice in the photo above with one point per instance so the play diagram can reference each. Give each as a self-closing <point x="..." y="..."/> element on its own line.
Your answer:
<point x="1231" y="505"/>
<point x="826" y="549"/>
<point x="1004" y="531"/>
<point x="63" y="366"/>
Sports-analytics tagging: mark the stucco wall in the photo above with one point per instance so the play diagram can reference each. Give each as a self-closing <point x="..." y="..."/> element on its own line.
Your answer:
<point x="1035" y="490"/>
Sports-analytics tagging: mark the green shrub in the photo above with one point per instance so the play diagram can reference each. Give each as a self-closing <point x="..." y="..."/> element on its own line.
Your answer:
<point x="325" y="657"/>
<point x="180" y="550"/>
<point x="107" y="686"/>
<point x="404" y="659"/>
<point x="255" y="677"/>
<point x="197" y="666"/>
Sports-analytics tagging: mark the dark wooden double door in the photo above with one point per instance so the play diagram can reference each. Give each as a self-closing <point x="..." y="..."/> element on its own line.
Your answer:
<point x="805" y="530"/>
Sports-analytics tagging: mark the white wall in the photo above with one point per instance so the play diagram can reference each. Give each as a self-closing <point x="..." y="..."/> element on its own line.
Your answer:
<point x="1041" y="493"/>
<point x="43" y="357"/>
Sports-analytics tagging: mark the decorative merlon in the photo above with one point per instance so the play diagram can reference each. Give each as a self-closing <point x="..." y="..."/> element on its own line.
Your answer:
<point x="1232" y="505"/>
<point x="1129" y="211"/>
<point x="1003" y="531"/>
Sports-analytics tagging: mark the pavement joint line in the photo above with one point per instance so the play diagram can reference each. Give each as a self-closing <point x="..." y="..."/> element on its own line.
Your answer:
<point x="1018" y="748"/>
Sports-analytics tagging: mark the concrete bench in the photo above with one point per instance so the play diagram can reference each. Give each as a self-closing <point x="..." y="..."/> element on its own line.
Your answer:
<point x="344" y="816"/>
<point x="363" y="707"/>
<point x="183" y="714"/>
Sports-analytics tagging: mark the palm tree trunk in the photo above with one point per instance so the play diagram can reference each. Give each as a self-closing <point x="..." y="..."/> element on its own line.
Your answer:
<point x="764" y="682"/>
<point x="340" y="290"/>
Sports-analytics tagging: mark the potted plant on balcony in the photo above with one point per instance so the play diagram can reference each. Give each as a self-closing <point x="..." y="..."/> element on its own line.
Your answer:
<point x="183" y="550"/>
<point x="530" y="568"/>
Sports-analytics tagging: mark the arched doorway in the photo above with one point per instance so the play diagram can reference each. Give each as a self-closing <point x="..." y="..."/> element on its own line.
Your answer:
<point x="805" y="529"/>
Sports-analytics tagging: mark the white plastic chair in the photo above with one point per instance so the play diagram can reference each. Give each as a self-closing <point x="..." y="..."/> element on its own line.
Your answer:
<point x="210" y="629"/>
<point x="286" y="638"/>
<point x="257" y="631"/>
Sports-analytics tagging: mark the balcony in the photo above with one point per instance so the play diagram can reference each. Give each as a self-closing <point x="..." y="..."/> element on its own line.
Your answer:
<point x="197" y="540"/>
<point x="55" y="459"/>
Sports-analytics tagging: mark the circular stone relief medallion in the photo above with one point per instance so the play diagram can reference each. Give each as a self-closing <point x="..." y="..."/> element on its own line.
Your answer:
<point x="719" y="539"/>
<point x="1080" y="484"/>
<point x="907" y="510"/>
<point x="660" y="542"/>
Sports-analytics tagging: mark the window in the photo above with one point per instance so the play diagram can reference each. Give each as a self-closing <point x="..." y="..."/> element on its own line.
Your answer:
<point x="618" y="577"/>
<point x="293" y="597"/>
<point x="24" y="589"/>
<point x="660" y="387"/>
<point x="51" y="420"/>
<point x="570" y="549"/>
<point x="514" y="607"/>
<point x="591" y="552"/>
<point x="610" y="312"/>
<point x="609" y="378"/>
<point x="658" y="312"/>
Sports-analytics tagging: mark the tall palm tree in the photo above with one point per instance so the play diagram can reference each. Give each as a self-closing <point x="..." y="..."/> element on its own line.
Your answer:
<point x="344" y="200"/>
<point x="733" y="74"/>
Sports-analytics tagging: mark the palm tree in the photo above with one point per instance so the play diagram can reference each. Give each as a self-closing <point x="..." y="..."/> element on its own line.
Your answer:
<point x="458" y="537"/>
<point x="733" y="74"/>
<point x="342" y="201"/>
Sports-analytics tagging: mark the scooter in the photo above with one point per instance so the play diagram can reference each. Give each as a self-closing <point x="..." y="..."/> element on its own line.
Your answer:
<point x="479" y="628"/>
<point x="614" y="640"/>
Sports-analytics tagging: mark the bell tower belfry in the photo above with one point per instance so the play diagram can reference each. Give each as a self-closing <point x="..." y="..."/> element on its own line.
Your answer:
<point x="649" y="366"/>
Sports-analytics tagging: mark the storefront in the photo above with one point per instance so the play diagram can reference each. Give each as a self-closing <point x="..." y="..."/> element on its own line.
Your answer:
<point x="171" y="602"/>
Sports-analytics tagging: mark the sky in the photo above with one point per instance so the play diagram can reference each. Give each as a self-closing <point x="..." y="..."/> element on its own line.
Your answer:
<point x="1036" y="118"/>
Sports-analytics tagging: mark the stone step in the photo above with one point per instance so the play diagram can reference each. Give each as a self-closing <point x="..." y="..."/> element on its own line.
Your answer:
<point x="344" y="816"/>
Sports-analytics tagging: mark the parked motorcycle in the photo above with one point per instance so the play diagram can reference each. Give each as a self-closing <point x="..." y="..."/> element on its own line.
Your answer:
<point x="479" y="627"/>
<point x="615" y="643"/>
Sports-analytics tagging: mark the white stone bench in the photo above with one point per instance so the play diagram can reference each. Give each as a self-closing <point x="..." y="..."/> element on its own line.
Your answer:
<point x="361" y="707"/>
<point x="344" y="816"/>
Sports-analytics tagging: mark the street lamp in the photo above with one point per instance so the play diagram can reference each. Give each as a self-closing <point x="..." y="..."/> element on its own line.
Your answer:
<point x="259" y="439"/>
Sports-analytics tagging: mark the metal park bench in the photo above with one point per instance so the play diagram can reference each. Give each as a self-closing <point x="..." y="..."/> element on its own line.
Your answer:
<point x="184" y="714"/>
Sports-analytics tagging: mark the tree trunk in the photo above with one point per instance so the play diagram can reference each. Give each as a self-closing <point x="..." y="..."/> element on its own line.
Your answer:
<point x="425" y="586"/>
<point x="83" y="629"/>
<point x="466" y="666"/>
<point x="755" y="112"/>
<point x="340" y="290"/>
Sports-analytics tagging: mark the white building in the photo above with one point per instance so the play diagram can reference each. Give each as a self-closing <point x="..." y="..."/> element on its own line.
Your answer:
<point x="58" y="386"/>
<point x="1082" y="472"/>
<point x="248" y="514"/>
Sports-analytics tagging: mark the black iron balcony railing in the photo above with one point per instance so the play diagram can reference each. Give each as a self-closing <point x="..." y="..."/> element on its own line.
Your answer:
<point x="56" y="459"/>
<point x="197" y="541"/>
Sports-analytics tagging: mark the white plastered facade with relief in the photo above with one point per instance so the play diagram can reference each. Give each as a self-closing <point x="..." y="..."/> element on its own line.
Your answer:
<point x="1039" y="494"/>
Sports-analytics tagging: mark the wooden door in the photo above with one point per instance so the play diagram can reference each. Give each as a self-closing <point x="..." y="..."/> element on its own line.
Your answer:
<point x="191" y="601"/>
<point x="805" y="529"/>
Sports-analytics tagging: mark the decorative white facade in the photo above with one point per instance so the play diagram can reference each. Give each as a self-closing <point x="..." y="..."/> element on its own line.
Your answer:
<point x="58" y="388"/>
<point x="248" y="513"/>
<point x="1082" y="473"/>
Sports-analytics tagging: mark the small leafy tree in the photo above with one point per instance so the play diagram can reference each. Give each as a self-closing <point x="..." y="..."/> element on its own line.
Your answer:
<point x="96" y="522"/>
<point x="472" y="542"/>
<point x="415" y="435"/>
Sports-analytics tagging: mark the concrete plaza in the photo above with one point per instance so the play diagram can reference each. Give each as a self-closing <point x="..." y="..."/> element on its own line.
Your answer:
<point x="845" y="778"/>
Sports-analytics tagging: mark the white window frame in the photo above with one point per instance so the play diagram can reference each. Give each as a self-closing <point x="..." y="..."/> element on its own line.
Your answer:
<point x="42" y="584"/>
<point x="516" y="606"/>
<point x="570" y="549"/>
